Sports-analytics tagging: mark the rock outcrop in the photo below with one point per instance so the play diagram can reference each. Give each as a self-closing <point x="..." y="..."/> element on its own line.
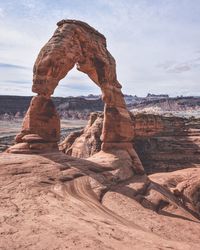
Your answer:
<point x="76" y="43"/>
<point x="87" y="142"/>
<point x="163" y="143"/>
<point x="167" y="143"/>
<point x="78" y="204"/>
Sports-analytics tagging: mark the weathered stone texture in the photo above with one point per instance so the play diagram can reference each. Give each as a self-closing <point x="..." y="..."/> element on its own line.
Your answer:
<point x="41" y="119"/>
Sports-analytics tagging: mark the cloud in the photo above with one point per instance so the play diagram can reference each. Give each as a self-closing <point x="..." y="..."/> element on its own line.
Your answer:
<point x="180" y="67"/>
<point x="81" y="86"/>
<point x="12" y="66"/>
<point x="22" y="82"/>
<point x="76" y="87"/>
<point x="166" y="65"/>
<point x="1" y="13"/>
<point x="74" y="77"/>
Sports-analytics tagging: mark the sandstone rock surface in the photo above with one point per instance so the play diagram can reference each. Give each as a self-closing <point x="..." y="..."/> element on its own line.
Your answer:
<point x="88" y="141"/>
<point x="55" y="201"/>
<point x="42" y="120"/>
<point x="167" y="143"/>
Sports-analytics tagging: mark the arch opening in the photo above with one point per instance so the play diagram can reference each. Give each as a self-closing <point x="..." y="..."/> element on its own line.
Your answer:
<point x="76" y="84"/>
<point x="81" y="98"/>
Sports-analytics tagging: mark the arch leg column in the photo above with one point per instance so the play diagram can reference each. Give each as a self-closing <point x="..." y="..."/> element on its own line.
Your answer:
<point x="40" y="129"/>
<point x="117" y="134"/>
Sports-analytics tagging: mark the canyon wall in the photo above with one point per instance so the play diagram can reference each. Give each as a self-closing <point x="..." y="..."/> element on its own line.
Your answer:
<point x="163" y="143"/>
<point x="167" y="143"/>
<point x="67" y="107"/>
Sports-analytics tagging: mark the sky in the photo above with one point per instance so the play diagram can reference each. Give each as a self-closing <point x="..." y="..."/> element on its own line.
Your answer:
<point x="156" y="43"/>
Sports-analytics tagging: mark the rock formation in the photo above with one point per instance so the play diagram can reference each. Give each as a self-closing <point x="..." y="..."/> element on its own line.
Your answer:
<point x="75" y="43"/>
<point x="163" y="143"/>
<point x="167" y="143"/>
<point x="87" y="142"/>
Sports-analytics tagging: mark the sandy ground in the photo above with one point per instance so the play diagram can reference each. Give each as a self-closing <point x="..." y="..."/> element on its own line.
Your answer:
<point x="13" y="127"/>
<point x="9" y="129"/>
<point x="51" y="202"/>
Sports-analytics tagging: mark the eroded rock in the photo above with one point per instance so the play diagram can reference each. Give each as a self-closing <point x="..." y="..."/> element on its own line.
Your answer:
<point x="76" y="43"/>
<point x="85" y="142"/>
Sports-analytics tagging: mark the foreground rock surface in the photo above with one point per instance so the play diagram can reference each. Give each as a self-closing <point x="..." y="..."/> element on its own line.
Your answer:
<point x="55" y="201"/>
<point x="163" y="143"/>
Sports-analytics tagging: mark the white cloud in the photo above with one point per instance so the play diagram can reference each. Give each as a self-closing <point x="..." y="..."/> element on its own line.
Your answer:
<point x="1" y="13"/>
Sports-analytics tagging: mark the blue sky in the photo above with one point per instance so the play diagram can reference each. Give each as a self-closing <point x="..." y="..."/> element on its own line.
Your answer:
<point x="156" y="43"/>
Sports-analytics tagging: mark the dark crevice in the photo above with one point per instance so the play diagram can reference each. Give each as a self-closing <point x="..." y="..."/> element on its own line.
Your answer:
<point x="21" y="173"/>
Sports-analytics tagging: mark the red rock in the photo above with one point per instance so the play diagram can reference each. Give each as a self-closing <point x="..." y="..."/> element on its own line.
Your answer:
<point x="32" y="138"/>
<point x="76" y="43"/>
<point x="86" y="142"/>
<point x="41" y="120"/>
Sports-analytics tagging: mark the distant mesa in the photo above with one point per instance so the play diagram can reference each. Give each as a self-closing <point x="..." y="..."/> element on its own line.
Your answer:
<point x="75" y="108"/>
<point x="153" y="96"/>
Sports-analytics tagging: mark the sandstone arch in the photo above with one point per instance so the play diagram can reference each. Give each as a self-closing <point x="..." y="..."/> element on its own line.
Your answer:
<point x="74" y="43"/>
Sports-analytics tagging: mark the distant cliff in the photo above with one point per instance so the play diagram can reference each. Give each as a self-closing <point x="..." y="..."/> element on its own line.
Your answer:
<point x="167" y="104"/>
<point x="67" y="107"/>
<point x="81" y="107"/>
<point x="167" y="143"/>
<point x="163" y="143"/>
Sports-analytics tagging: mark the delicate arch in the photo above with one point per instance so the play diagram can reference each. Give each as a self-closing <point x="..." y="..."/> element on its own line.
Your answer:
<point x="74" y="43"/>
